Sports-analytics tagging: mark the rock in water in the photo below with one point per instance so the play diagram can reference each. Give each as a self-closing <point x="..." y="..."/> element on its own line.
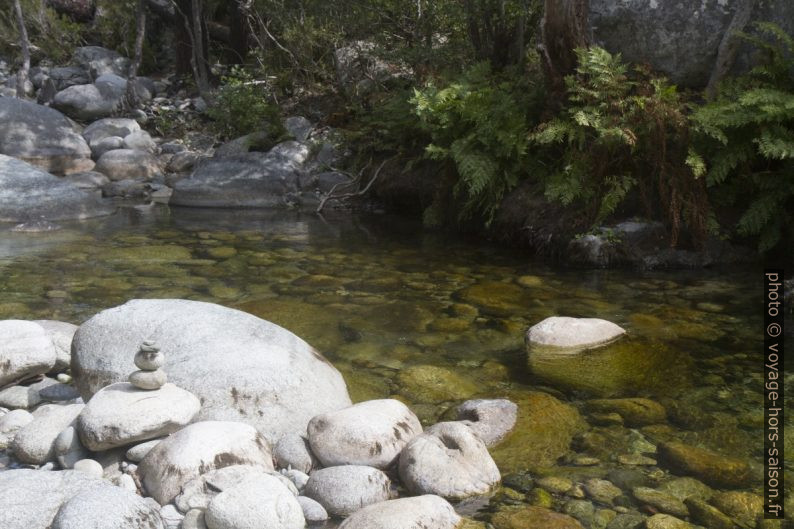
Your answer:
<point x="448" y="460"/>
<point x="572" y="333"/>
<point x="25" y="349"/>
<point x="198" y="448"/>
<point x="345" y="489"/>
<point x="35" y="443"/>
<point x="427" y="511"/>
<point x="31" y="498"/>
<point x="121" y="414"/>
<point x="43" y="137"/>
<point x="241" y="367"/>
<point x="371" y="433"/>
<point x="107" y="507"/>
<point x="712" y="468"/>
<point x="28" y="193"/>
<point x="491" y="419"/>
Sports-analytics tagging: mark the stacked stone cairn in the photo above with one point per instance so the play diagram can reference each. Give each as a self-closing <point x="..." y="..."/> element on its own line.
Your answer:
<point x="149" y="360"/>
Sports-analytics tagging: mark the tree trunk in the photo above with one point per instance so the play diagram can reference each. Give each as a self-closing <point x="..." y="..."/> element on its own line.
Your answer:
<point x="729" y="46"/>
<point x="239" y="32"/>
<point x="22" y="74"/>
<point x="132" y="96"/>
<point x="200" y="46"/>
<point x="565" y="26"/>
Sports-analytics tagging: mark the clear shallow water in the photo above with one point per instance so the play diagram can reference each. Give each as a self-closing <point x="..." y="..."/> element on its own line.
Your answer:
<point x="430" y="319"/>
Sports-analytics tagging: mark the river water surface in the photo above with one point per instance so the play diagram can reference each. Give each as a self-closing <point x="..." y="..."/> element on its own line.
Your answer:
<point x="433" y="320"/>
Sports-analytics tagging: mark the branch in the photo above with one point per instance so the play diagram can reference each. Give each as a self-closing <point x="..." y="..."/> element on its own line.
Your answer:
<point x="361" y="192"/>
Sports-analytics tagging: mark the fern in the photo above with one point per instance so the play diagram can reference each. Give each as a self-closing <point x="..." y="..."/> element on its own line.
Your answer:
<point x="746" y="137"/>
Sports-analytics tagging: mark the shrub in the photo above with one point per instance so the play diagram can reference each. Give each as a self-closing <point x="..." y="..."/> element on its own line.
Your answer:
<point x="622" y="134"/>
<point x="746" y="142"/>
<point x="240" y="106"/>
<point x="479" y="124"/>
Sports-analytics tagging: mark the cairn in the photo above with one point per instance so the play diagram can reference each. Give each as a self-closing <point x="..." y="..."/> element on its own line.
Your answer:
<point x="149" y="360"/>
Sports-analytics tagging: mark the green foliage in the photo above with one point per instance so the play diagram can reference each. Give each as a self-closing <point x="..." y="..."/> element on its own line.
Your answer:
<point x="622" y="132"/>
<point x="746" y="141"/>
<point x="51" y="35"/>
<point x="241" y="106"/>
<point x="479" y="124"/>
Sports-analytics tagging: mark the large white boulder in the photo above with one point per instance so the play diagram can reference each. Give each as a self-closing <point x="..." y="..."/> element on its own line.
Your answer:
<point x="42" y="136"/>
<point x="260" y="502"/>
<point x="241" y="367"/>
<point x="30" y="499"/>
<point x="122" y="414"/>
<point x="428" y="512"/>
<point x="197" y="449"/>
<point x="345" y="489"/>
<point x="560" y="332"/>
<point x="371" y="433"/>
<point x="448" y="460"/>
<point x="29" y="194"/>
<point x="35" y="442"/>
<point x="61" y="334"/>
<point x="107" y="507"/>
<point x="25" y="350"/>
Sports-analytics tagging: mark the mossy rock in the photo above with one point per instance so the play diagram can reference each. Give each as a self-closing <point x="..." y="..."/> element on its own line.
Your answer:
<point x="625" y="368"/>
<point x="497" y="298"/>
<point x="543" y="433"/>
<point x="150" y="253"/>
<point x="710" y="467"/>
<point x="364" y="385"/>
<point x="431" y="384"/>
<point x="532" y="517"/>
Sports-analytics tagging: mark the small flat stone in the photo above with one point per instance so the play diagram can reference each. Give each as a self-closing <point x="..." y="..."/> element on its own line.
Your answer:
<point x="555" y="484"/>
<point x="602" y="491"/>
<point x="148" y="380"/>
<point x="149" y="360"/>
<point x="662" y="501"/>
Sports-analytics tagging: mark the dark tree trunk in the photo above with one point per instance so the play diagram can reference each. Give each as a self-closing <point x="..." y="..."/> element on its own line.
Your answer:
<point x="565" y="26"/>
<point x="182" y="39"/>
<point x="132" y="96"/>
<point x="729" y="46"/>
<point x="239" y="32"/>
<point x="22" y="74"/>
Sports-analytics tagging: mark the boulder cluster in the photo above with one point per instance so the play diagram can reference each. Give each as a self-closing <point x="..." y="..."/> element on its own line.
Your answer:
<point x="148" y="453"/>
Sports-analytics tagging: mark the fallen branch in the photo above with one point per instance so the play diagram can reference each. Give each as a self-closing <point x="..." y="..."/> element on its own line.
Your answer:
<point x="356" y="180"/>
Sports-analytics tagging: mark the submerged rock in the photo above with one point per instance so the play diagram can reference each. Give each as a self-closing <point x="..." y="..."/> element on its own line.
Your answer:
<point x="634" y="411"/>
<point x="433" y="384"/>
<point x="712" y="468"/>
<point x="242" y="368"/>
<point x="371" y="433"/>
<point x="532" y="517"/>
<point x="428" y="511"/>
<point x="448" y="460"/>
<point x="198" y="448"/>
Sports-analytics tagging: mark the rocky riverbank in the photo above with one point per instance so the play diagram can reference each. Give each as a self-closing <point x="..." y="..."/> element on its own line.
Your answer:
<point x="185" y="414"/>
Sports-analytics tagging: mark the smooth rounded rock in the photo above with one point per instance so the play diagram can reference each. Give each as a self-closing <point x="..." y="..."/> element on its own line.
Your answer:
<point x="490" y="419"/>
<point x="371" y="433"/>
<point x="665" y="521"/>
<point x="11" y="422"/>
<point x="122" y="414"/>
<point x="197" y="449"/>
<point x="313" y="512"/>
<point x="149" y="357"/>
<point x="342" y="490"/>
<point x="634" y="411"/>
<point x="241" y="367"/>
<point x="110" y="127"/>
<point x="710" y="467"/>
<point x="172" y="518"/>
<point x="148" y="380"/>
<point x="448" y="460"/>
<point x="128" y="164"/>
<point x="20" y="397"/>
<point x="30" y="499"/>
<point x="194" y="519"/>
<point x="35" y="443"/>
<point x="293" y="451"/>
<point x="298" y="478"/>
<point x="566" y="333"/>
<point x="68" y="448"/>
<point x="25" y="349"/>
<point x="139" y="451"/>
<point x="90" y="467"/>
<point x="261" y="502"/>
<point x="199" y="492"/>
<point x="428" y="511"/>
<point x="61" y="334"/>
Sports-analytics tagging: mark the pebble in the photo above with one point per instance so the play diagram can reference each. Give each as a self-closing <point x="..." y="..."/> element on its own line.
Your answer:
<point x="148" y="380"/>
<point x="312" y="510"/>
<point x="660" y="500"/>
<point x="149" y="358"/>
<point x="602" y="491"/>
<point x="90" y="467"/>
<point x="665" y="521"/>
<point x="555" y="484"/>
<point x="636" y="460"/>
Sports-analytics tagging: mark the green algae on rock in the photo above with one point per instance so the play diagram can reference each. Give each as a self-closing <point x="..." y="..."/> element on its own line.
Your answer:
<point x="712" y="468"/>
<point x="533" y="517"/>
<point x="496" y="298"/>
<point x="431" y="384"/>
<point x="620" y="369"/>
<point x="542" y="434"/>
